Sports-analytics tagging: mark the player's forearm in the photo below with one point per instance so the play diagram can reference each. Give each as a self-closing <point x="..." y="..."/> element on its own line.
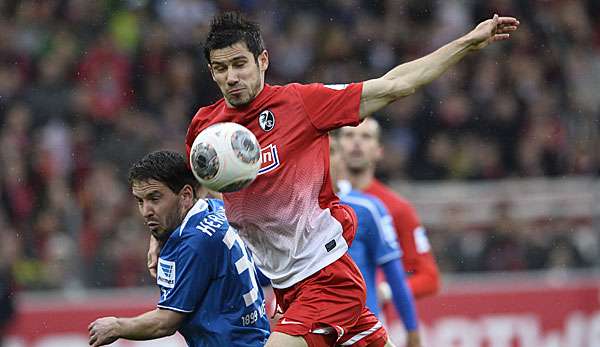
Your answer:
<point x="401" y="295"/>
<point x="147" y="326"/>
<point x="414" y="74"/>
<point x="405" y="79"/>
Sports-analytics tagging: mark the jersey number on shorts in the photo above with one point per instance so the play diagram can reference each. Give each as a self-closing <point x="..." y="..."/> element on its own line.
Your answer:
<point x="244" y="263"/>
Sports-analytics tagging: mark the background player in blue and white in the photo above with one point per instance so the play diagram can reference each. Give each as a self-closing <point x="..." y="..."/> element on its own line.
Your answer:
<point x="208" y="283"/>
<point x="375" y="245"/>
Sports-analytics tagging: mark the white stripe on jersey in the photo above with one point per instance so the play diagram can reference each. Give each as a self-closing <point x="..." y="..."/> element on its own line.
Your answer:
<point x="198" y="207"/>
<point x="174" y="309"/>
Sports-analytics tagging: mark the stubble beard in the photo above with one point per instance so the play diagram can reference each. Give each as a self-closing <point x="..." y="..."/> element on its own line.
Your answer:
<point x="172" y="221"/>
<point x="359" y="170"/>
<point x="252" y="92"/>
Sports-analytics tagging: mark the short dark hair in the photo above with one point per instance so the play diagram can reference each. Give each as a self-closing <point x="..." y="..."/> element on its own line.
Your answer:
<point x="230" y="28"/>
<point x="167" y="167"/>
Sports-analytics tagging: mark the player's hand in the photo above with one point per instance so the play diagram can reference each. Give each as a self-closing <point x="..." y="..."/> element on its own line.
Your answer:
<point x="491" y="30"/>
<point x="384" y="292"/>
<point x="103" y="331"/>
<point x="153" y="252"/>
<point x="413" y="339"/>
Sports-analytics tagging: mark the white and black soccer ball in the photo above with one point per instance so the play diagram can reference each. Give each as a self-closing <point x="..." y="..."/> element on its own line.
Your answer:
<point x="225" y="157"/>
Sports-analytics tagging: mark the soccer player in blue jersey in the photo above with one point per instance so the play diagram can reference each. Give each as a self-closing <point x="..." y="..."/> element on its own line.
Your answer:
<point x="208" y="283"/>
<point x="375" y="245"/>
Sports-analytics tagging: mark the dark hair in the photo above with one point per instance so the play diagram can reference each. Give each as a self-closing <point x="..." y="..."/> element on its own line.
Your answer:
<point x="167" y="167"/>
<point x="230" y="28"/>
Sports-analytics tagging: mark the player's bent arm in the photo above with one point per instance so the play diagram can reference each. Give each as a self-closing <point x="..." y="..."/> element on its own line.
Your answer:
<point x="150" y="325"/>
<point x="153" y="253"/>
<point x="406" y="78"/>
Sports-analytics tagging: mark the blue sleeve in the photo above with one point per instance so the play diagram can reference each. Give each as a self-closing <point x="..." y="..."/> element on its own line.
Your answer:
<point x="190" y="275"/>
<point x="402" y="296"/>
<point x="382" y="239"/>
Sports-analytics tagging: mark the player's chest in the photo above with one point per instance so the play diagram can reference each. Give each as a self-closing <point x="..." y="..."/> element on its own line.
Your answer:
<point x="282" y="129"/>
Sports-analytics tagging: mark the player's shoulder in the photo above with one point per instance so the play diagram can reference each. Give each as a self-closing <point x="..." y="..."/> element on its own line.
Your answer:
<point x="369" y="200"/>
<point x="387" y="195"/>
<point x="368" y="204"/>
<point x="203" y="117"/>
<point x="206" y="111"/>
<point x="205" y="224"/>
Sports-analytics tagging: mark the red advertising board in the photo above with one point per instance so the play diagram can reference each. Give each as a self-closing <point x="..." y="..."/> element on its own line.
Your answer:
<point x="510" y="312"/>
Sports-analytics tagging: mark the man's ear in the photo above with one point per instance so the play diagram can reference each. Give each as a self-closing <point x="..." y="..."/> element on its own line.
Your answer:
<point x="263" y="61"/>
<point x="187" y="193"/>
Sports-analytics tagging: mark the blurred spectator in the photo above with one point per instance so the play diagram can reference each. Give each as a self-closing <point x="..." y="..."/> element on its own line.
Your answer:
<point x="8" y="255"/>
<point x="503" y="249"/>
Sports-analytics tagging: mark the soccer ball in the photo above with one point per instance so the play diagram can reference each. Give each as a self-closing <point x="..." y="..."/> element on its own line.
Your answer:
<point x="225" y="157"/>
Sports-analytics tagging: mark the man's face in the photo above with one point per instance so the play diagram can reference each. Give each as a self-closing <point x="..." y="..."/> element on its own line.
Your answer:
<point x="360" y="146"/>
<point x="161" y="208"/>
<point x="239" y="76"/>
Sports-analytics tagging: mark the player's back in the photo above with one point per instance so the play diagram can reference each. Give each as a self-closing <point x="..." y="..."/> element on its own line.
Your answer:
<point x="205" y="271"/>
<point x="375" y="241"/>
<point x="287" y="215"/>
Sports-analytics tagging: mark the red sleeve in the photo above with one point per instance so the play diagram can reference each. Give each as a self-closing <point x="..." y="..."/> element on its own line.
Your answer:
<point x="417" y="257"/>
<point x="331" y="106"/>
<point x="197" y="124"/>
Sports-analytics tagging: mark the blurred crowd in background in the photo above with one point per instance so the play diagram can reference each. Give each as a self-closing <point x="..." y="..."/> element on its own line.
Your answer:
<point x="87" y="87"/>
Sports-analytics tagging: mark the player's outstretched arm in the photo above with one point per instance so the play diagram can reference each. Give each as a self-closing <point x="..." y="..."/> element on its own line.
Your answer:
<point x="147" y="326"/>
<point x="404" y="79"/>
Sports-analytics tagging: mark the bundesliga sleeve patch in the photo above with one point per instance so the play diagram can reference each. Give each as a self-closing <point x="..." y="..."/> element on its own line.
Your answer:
<point x="166" y="273"/>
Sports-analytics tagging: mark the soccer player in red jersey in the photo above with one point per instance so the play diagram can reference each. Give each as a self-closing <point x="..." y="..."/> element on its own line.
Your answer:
<point x="361" y="149"/>
<point x="289" y="216"/>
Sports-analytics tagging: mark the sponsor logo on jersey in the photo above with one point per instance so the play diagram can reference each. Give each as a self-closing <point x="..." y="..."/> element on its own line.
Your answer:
<point x="270" y="159"/>
<point x="266" y="120"/>
<point x="166" y="273"/>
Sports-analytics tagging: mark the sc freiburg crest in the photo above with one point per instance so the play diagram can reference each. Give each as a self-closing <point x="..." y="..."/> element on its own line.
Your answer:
<point x="266" y="120"/>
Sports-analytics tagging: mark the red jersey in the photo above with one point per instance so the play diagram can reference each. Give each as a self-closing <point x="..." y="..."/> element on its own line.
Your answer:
<point x="416" y="250"/>
<point x="287" y="215"/>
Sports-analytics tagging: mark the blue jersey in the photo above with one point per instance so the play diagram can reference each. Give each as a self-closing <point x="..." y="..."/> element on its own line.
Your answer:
<point x="205" y="270"/>
<point x="375" y="242"/>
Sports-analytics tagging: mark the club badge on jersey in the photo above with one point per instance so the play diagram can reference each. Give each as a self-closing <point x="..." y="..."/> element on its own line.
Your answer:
<point x="266" y="120"/>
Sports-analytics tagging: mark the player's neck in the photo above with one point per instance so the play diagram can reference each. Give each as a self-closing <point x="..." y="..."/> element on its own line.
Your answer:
<point x="361" y="179"/>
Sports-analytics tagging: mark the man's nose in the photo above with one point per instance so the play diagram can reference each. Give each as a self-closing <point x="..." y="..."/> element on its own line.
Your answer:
<point x="147" y="211"/>
<point x="232" y="76"/>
